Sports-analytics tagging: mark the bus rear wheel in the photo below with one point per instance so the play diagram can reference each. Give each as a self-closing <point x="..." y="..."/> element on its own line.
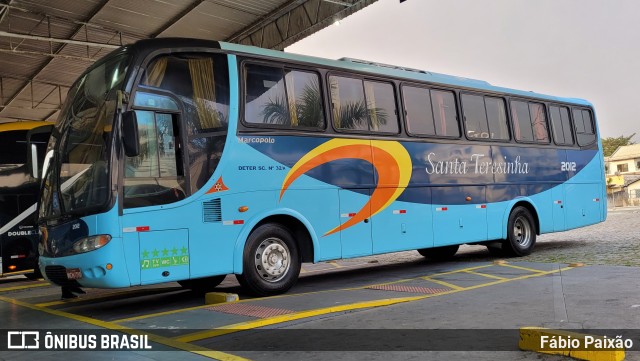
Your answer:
<point x="439" y="253"/>
<point x="521" y="233"/>
<point x="202" y="284"/>
<point x="271" y="261"/>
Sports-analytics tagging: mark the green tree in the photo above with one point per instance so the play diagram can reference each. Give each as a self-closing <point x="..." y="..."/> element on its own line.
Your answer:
<point x="351" y="115"/>
<point x="610" y="144"/>
<point x="308" y="108"/>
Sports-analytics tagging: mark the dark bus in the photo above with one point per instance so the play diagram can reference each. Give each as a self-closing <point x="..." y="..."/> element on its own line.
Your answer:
<point x="19" y="189"/>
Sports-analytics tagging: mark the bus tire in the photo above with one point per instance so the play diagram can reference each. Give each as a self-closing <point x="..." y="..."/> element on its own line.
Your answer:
<point x="521" y="233"/>
<point x="439" y="253"/>
<point x="270" y="262"/>
<point x="202" y="284"/>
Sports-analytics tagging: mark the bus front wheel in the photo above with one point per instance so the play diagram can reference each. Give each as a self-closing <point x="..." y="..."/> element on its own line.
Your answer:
<point x="521" y="233"/>
<point x="439" y="253"/>
<point x="271" y="262"/>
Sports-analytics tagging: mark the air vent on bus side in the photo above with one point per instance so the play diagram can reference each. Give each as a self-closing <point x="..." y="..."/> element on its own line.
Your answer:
<point x="212" y="211"/>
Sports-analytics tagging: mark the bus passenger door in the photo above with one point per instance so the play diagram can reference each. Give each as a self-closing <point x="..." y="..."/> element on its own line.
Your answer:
<point x="559" y="222"/>
<point x="459" y="215"/>
<point x="355" y="238"/>
<point x="152" y="179"/>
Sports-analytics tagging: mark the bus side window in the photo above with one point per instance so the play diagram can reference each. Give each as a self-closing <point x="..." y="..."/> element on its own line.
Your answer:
<point x="475" y="116"/>
<point x="304" y="98"/>
<point x="445" y="114"/>
<point x="266" y="97"/>
<point x="279" y="97"/>
<point x="585" y="130"/>
<point x="539" y="122"/>
<point x="156" y="175"/>
<point x="348" y="103"/>
<point x="561" y="125"/>
<point x="418" y="110"/>
<point x="365" y="105"/>
<point x="529" y="122"/>
<point x="381" y="106"/>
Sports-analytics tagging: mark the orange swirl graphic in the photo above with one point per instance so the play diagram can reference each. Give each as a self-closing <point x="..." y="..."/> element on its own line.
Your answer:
<point x="390" y="159"/>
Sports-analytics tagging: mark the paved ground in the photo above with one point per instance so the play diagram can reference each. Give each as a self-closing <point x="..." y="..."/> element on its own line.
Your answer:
<point x="613" y="242"/>
<point x="396" y="295"/>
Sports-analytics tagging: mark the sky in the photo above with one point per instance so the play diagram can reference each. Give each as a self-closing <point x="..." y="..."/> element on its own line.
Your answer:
<point x="587" y="49"/>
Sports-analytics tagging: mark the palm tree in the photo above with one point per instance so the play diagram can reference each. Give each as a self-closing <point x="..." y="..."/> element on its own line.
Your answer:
<point x="309" y="111"/>
<point x="276" y="111"/>
<point x="309" y="107"/>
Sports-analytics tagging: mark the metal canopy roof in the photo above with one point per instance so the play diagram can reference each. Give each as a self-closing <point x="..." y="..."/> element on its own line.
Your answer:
<point x="46" y="44"/>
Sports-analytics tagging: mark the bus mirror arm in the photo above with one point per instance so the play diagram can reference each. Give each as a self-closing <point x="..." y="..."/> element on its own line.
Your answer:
<point x="130" y="138"/>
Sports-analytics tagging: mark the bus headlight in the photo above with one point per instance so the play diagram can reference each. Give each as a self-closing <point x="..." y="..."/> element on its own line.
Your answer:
<point x="91" y="243"/>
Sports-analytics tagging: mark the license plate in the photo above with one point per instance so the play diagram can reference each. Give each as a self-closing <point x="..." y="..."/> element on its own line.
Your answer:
<point x="74" y="273"/>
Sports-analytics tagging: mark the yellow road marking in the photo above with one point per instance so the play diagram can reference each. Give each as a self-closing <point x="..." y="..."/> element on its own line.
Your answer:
<point x="158" y="314"/>
<point x="516" y="279"/>
<point x="462" y="270"/>
<point x="486" y="275"/>
<point x="16" y="288"/>
<point x="248" y="325"/>
<point x="520" y="267"/>
<point x="201" y="335"/>
<point x="165" y="313"/>
<point x="203" y="351"/>
<point x="141" y="292"/>
<point x="443" y="283"/>
<point x="335" y="266"/>
<point x="422" y="277"/>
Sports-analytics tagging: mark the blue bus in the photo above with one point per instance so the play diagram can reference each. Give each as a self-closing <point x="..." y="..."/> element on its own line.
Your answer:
<point x="187" y="160"/>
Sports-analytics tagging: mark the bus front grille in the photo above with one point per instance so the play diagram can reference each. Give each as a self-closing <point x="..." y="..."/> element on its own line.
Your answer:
<point x="58" y="275"/>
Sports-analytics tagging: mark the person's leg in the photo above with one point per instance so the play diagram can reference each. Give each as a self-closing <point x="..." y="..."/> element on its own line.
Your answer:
<point x="66" y="293"/>
<point x="76" y="289"/>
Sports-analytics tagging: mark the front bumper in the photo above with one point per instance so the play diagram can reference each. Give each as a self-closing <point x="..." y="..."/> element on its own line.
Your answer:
<point x="92" y="265"/>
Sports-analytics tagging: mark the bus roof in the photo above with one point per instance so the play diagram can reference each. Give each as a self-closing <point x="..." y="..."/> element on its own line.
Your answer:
<point x="26" y="125"/>
<point x="396" y="71"/>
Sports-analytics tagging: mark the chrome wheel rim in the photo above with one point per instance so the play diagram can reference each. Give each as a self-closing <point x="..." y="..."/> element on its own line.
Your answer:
<point x="522" y="231"/>
<point x="272" y="259"/>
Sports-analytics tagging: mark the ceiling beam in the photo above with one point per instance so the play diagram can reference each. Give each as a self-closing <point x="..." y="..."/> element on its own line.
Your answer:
<point x="20" y="78"/>
<point x="44" y="53"/>
<point x="93" y="14"/>
<point x="177" y="18"/>
<point x="272" y="16"/>
<point x="287" y="14"/>
<point x="7" y="7"/>
<point x="57" y="40"/>
<point x="339" y="3"/>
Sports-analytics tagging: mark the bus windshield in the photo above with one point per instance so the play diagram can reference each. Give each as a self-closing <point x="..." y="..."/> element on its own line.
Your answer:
<point x="16" y="155"/>
<point x="78" y="177"/>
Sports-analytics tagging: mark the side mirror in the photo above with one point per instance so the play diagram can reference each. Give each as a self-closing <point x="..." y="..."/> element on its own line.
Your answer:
<point x="37" y="139"/>
<point x="130" y="138"/>
<point x="34" y="161"/>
